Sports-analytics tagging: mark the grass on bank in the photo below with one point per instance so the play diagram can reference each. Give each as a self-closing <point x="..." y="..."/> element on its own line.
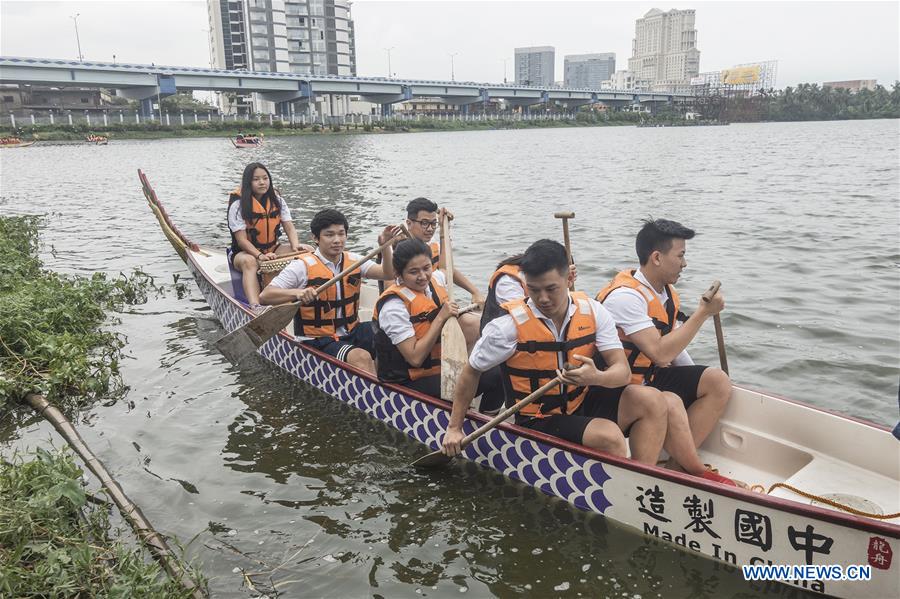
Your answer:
<point x="52" y="336"/>
<point x="55" y="543"/>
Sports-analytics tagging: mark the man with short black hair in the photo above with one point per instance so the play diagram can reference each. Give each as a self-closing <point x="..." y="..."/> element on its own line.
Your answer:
<point x="655" y="334"/>
<point x="331" y="318"/>
<point x="532" y="343"/>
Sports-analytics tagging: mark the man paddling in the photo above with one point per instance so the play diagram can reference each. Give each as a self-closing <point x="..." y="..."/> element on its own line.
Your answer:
<point x="422" y="220"/>
<point x="331" y="319"/>
<point x="532" y="343"/>
<point x="655" y="334"/>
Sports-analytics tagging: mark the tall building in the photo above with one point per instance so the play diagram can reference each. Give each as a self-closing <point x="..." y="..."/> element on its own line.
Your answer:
<point x="286" y="36"/>
<point x="588" y="70"/>
<point x="534" y="65"/>
<point x="854" y="85"/>
<point x="664" y="54"/>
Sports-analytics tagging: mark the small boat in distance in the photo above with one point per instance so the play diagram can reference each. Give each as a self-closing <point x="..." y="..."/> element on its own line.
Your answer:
<point x="14" y="142"/>
<point x="99" y="140"/>
<point x="247" y="141"/>
<point x="830" y="484"/>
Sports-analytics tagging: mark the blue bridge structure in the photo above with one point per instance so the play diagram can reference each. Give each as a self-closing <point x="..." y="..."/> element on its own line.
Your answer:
<point x="146" y="82"/>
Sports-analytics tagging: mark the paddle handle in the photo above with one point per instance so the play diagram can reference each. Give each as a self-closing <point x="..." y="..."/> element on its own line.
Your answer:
<point x="447" y="251"/>
<point x="509" y="412"/>
<point x="565" y="216"/>
<point x="717" y="321"/>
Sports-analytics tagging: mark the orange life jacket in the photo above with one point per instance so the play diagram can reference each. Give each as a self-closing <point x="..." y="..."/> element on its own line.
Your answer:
<point x="265" y="227"/>
<point x="392" y="366"/>
<point x="320" y="319"/>
<point x="492" y="309"/>
<point x="435" y="253"/>
<point x="539" y="355"/>
<point x="663" y="318"/>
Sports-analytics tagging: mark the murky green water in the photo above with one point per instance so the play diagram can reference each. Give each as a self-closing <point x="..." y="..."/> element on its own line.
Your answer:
<point x="799" y="221"/>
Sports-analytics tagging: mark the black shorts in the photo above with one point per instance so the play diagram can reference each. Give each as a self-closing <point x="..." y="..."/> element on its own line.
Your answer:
<point x="600" y="402"/>
<point x="363" y="337"/>
<point x="683" y="381"/>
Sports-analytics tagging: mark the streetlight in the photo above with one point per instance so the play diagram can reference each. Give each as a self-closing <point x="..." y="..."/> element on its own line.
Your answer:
<point x="504" y="69"/>
<point x="388" y="50"/>
<point x="77" y="39"/>
<point x="452" y="77"/>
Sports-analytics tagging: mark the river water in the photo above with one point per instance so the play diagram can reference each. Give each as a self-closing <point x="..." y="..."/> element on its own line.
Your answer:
<point x="799" y="221"/>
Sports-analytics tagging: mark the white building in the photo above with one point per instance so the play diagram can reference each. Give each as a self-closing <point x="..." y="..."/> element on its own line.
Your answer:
<point x="285" y="36"/>
<point x="664" y="54"/>
<point x="588" y="71"/>
<point x="534" y="65"/>
<point x="619" y="80"/>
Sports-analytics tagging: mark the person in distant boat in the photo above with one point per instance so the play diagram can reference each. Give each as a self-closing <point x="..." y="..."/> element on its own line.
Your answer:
<point x="655" y="334"/>
<point x="594" y="406"/>
<point x="256" y="216"/>
<point x="507" y="284"/>
<point x="422" y="219"/>
<point x="331" y="319"/>
<point x="409" y="317"/>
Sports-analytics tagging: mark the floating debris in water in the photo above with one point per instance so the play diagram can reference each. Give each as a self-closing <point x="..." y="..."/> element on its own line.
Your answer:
<point x="587" y="567"/>
<point x="537" y="551"/>
<point x="562" y="587"/>
<point x="232" y="532"/>
<point x="329" y="558"/>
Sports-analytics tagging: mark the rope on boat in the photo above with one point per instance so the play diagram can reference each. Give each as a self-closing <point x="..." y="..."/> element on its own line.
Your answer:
<point x="827" y="501"/>
<point x="131" y="512"/>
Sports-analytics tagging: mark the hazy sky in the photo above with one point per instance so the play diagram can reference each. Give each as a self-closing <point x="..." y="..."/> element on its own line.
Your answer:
<point x="813" y="41"/>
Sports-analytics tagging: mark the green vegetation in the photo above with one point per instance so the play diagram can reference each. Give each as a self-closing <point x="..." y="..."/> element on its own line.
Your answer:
<point x="809" y="102"/>
<point x="52" y="339"/>
<point x="55" y="543"/>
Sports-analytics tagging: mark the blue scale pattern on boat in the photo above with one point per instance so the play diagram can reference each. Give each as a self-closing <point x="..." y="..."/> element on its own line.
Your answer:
<point x="553" y="471"/>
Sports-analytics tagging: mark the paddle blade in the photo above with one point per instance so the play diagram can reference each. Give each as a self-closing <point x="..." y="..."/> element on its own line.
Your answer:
<point x="435" y="459"/>
<point x="453" y="357"/>
<point x="246" y="339"/>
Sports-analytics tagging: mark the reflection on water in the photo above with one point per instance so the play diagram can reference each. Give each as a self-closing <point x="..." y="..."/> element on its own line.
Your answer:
<point x="799" y="221"/>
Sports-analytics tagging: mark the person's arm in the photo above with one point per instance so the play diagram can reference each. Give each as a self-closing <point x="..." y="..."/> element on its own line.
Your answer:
<point x="414" y="350"/>
<point x="289" y="286"/>
<point x="662" y="349"/>
<point x="460" y="280"/>
<point x="466" y="386"/>
<point x="617" y="373"/>
<point x="385" y="270"/>
<point x="291" y="233"/>
<point x="244" y="243"/>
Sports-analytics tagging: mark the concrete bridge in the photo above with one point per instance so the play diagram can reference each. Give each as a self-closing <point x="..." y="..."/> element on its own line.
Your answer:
<point x="145" y="82"/>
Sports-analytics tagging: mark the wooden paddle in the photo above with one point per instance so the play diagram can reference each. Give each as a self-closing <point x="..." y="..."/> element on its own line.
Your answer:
<point x="246" y="339"/>
<point x="565" y="216"/>
<point x="453" y="343"/>
<point x="438" y="458"/>
<point x="717" y="321"/>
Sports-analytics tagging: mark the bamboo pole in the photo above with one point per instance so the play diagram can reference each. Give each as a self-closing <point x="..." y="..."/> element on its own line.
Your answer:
<point x="131" y="512"/>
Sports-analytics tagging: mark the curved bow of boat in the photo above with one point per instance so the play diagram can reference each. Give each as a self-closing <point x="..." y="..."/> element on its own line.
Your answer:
<point x="178" y="240"/>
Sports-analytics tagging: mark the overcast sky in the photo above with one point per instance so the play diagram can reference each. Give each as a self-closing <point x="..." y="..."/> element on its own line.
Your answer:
<point x="812" y="41"/>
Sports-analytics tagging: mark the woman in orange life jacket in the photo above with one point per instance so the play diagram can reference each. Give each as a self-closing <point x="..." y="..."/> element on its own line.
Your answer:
<point x="256" y="215"/>
<point x="409" y="317"/>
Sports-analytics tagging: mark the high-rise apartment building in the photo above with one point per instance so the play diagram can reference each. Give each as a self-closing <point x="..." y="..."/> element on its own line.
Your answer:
<point x="534" y="65"/>
<point x="287" y="36"/>
<point x="664" y="54"/>
<point x="588" y="70"/>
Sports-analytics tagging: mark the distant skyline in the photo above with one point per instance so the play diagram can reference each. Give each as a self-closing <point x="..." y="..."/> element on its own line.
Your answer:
<point x="812" y="41"/>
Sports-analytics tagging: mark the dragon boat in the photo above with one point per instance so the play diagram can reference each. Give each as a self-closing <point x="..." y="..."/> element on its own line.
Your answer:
<point x="829" y="485"/>
<point x="247" y="142"/>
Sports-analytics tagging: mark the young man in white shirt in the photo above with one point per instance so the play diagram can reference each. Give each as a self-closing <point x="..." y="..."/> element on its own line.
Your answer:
<point x="331" y="319"/>
<point x="536" y="339"/>
<point x="656" y="334"/>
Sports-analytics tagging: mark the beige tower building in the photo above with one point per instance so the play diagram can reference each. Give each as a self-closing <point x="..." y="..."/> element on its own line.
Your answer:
<point x="664" y="54"/>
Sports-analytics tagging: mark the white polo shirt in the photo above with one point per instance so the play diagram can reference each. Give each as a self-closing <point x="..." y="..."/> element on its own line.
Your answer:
<point x="508" y="289"/>
<point x="237" y="223"/>
<point x="629" y="308"/>
<point x="393" y="318"/>
<point x="295" y="276"/>
<point x="499" y="337"/>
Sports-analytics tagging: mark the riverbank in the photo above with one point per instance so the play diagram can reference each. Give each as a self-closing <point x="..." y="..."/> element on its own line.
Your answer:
<point x="154" y="130"/>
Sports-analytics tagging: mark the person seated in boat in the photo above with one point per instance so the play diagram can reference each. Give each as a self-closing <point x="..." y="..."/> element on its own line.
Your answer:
<point x="409" y="317"/>
<point x="331" y="319"/>
<point x="595" y="406"/>
<point x="655" y="333"/>
<point x="422" y="220"/>
<point x="507" y="284"/>
<point x="256" y="216"/>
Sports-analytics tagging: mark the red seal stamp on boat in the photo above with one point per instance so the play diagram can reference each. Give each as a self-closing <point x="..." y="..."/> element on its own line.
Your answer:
<point x="880" y="553"/>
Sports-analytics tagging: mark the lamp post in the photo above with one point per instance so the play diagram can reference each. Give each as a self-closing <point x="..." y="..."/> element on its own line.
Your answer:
<point x="77" y="39"/>
<point x="504" y="69"/>
<point x="388" y="50"/>
<point x="452" y="74"/>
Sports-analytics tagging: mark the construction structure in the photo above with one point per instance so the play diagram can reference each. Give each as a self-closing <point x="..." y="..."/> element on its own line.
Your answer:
<point x="740" y="80"/>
